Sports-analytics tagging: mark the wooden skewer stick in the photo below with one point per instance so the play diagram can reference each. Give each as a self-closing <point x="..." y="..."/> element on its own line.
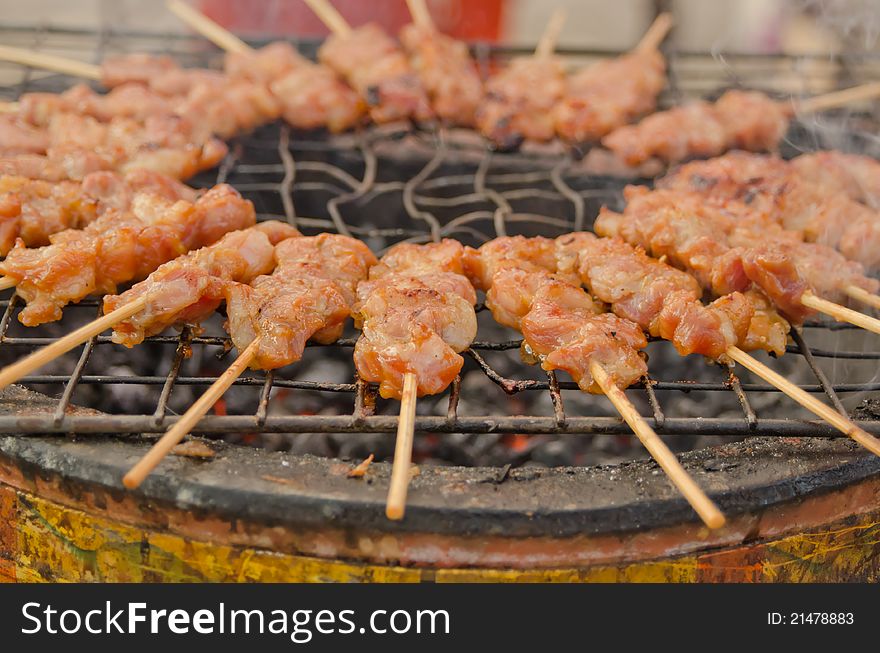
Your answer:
<point x="189" y="419"/>
<point x="656" y="32"/>
<point x="702" y="504"/>
<point x="840" y="313"/>
<point x="219" y="36"/>
<point x="12" y="373"/>
<point x="421" y="15"/>
<point x="9" y="107"/>
<point x="837" y="98"/>
<point x="862" y="295"/>
<point x="50" y="62"/>
<point x="395" y="505"/>
<point x="547" y="44"/>
<point x="7" y="282"/>
<point x="838" y="421"/>
<point x="330" y="17"/>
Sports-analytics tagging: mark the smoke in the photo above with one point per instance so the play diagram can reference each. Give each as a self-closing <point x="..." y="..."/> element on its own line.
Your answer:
<point x="856" y="23"/>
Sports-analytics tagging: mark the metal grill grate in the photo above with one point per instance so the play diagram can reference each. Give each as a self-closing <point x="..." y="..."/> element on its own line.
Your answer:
<point x="385" y="186"/>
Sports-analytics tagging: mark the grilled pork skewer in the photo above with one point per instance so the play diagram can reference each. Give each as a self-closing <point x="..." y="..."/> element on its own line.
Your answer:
<point x="219" y="104"/>
<point x="74" y="145"/>
<point x="746" y="120"/>
<point x="854" y="175"/>
<point x="644" y="289"/>
<point x="119" y="247"/>
<point x="520" y="99"/>
<point x="694" y="237"/>
<point x="769" y="192"/>
<point x="308" y="296"/>
<point x="564" y="329"/>
<point x="33" y="210"/>
<point x="444" y="66"/>
<point x="311" y="95"/>
<point x="186" y="290"/>
<point x="613" y="93"/>
<point x="374" y="66"/>
<point x="416" y="314"/>
<point x="175" y="293"/>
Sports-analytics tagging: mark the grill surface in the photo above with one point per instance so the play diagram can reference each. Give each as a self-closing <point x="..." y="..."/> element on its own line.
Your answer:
<point x="386" y="186"/>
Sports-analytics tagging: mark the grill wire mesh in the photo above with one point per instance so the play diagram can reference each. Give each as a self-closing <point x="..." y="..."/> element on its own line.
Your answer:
<point x="387" y="186"/>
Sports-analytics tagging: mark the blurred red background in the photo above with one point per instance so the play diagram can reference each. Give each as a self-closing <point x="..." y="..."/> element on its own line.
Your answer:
<point x="475" y="20"/>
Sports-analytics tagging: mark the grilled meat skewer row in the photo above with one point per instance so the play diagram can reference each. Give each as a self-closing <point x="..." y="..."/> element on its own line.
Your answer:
<point x="374" y="66"/>
<point x="700" y="240"/>
<point x="666" y="302"/>
<point x="33" y="210"/>
<point x="769" y="192"/>
<point x="565" y="329"/>
<point x="746" y="120"/>
<point x="189" y="288"/>
<point x="614" y="92"/>
<point x="307" y="296"/>
<point x="72" y="146"/>
<point x="560" y="323"/>
<point x="663" y="300"/>
<point x="119" y="247"/>
<point x="309" y="95"/>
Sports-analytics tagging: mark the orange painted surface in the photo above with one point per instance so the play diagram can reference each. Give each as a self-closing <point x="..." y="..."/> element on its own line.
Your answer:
<point x="45" y="541"/>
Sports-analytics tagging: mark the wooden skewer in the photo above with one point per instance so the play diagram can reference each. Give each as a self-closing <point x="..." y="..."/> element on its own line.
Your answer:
<point x="6" y="282"/>
<point x="862" y="295"/>
<point x="702" y="504"/>
<point x="189" y="419"/>
<point x="330" y="17"/>
<point x="395" y="505"/>
<point x="421" y="15"/>
<point x="837" y="98"/>
<point x="9" y="107"/>
<point x="547" y="44"/>
<point x="219" y="36"/>
<point x="840" y="313"/>
<point x="12" y="373"/>
<point x="50" y="62"/>
<point x="656" y="32"/>
<point x="838" y="421"/>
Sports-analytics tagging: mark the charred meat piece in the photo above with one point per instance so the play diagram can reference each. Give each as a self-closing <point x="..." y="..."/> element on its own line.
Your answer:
<point x="520" y="102"/>
<point x="609" y="94"/>
<point x="189" y="288"/>
<point x="373" y="64"/>
<point x="695" y="238"/>
<point x="416" y="313"/>
<point x="309" y="296"/>
<point x="766" y="191"/>
<point x="562" y="326"/>
<point x="447" y="72"/>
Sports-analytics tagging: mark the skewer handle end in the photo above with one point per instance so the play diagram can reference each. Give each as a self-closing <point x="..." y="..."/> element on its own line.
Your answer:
<point x="395" y="506"/>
